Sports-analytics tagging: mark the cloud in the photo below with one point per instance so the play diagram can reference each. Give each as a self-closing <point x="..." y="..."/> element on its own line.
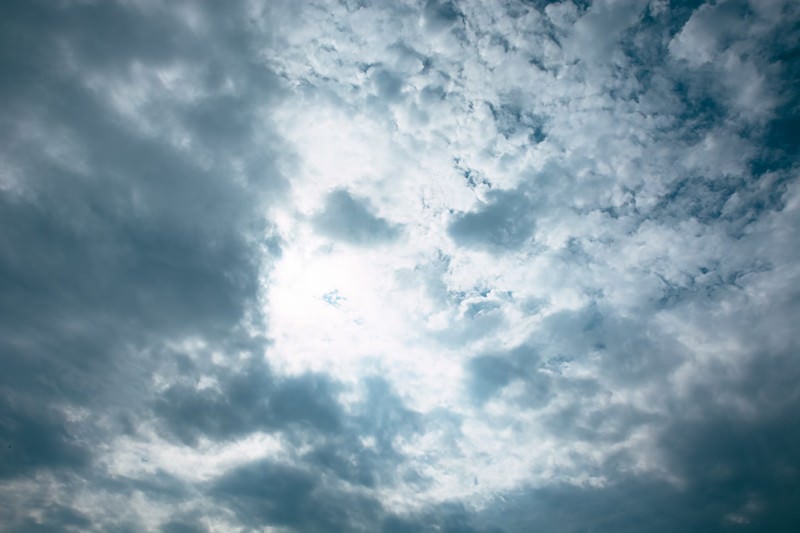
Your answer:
<point x="34" y="438"/>
<point x="247" y="401"/>
<point x="267" y="493"/>
<point x="348" y="219"/>
<point x="182" y="527"/>
<point x="352" y="266"/>
<point x="733" y="477"/>
<point x="57" y="518"/>
<point x="505" y="223"/>
<point x="124" y="226"/>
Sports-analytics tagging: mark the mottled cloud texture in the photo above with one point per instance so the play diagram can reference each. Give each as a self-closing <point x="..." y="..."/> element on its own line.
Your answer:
<point x="455" y="266"/>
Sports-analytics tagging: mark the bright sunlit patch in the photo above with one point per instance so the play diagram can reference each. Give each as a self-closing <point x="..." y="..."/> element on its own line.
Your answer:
<point x="343" y="310"/>
<point x="333" y="306"/>
<point x="325" y="309"/>
<point x="400" y="308"/>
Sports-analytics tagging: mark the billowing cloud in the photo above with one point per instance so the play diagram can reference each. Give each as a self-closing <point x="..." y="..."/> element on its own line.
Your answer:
<point x="410" y="266"/>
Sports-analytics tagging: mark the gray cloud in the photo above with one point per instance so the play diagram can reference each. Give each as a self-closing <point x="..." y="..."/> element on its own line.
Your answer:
<point x="114" y="241"/>
<point x="505" y="222"/>
<point x="182" y="527"/>
<point x="33" y="438"/>
<point x="349" y="219"/>
<point x="489" y="374"/>
<point x="265" y="493"/>
<point x="247" y="401"/>
<point x="439" y="15"/>
<point x="735" y="478"/>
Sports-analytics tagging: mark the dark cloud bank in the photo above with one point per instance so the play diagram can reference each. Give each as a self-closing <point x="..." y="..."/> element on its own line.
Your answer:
<point x="118" y="242"/>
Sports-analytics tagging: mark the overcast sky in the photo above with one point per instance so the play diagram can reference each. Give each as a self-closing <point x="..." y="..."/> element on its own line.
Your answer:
<point x="459" y="266"/>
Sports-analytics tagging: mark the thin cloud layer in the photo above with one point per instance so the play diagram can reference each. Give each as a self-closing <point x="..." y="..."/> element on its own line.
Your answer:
<point x="408" y="266"/>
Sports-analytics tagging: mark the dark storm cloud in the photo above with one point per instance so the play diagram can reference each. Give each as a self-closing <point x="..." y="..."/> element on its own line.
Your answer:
<point x="247" y="401"/>
<point x="113" y="241"/>
<point x="355" y="447"/>
<point x="182" y="527"/>
<point x="33" y="437"/>
<point x="308" y="495"/>
<point x="267" y="493"/>
<point x="300" y="407"/>
<point x="146" y="243"/>
<point x="351" y="220"/>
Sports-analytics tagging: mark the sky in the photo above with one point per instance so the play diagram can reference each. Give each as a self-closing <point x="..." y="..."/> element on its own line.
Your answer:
<point x="458" y="266"/>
